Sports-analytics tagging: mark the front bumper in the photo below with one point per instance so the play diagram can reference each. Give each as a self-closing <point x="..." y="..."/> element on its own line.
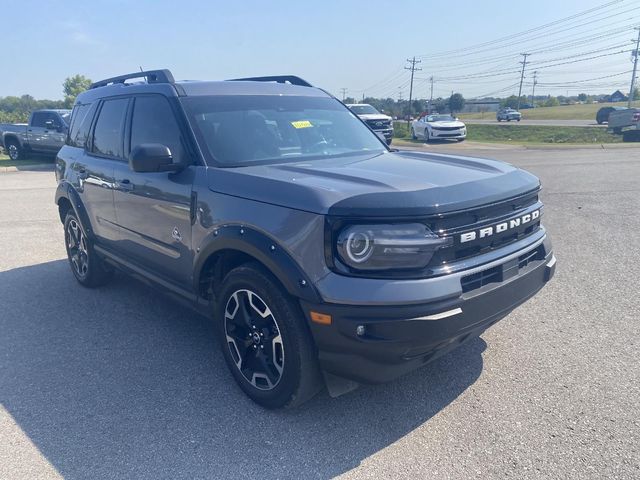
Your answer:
<point x="387" y="132"/>
<point x="399" y="338"/>
<point x="461" y="133"/>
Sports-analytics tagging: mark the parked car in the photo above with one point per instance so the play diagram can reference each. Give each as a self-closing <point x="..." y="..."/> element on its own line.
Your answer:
<point x="625" y="122"/>
<point x="45" y="133"/>
<point x="322" y="256"/>
<point x="508" y="114"/>
<point x="603" y="114"/>
<point x="378" y="122"/>
<point x="436" y="127"/>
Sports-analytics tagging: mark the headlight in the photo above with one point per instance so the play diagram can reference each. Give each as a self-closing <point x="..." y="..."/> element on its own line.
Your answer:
<point x="386" y="247"/>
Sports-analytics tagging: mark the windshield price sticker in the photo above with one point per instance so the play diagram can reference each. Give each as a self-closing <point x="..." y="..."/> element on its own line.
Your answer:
<point x="302" y="124"/>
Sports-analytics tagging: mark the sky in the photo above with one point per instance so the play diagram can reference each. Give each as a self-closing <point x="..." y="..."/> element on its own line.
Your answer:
<point x="361" y="46"/>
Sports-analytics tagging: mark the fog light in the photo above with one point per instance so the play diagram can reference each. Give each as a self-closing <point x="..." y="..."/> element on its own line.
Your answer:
<point x="360" y="330"/>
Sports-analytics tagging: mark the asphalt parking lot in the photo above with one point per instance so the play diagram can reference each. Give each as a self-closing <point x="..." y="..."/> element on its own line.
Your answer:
<point x="122" y="383"/>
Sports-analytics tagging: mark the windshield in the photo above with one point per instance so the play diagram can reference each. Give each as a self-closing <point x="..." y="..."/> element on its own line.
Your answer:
<point x="239" y="130"/>
<point x="364" y="110"/>
<point x="440" y="118"/>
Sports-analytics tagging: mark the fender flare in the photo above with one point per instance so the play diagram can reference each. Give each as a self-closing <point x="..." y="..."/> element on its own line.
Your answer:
<point x="66" y="190"/>
<point x="264" y="249"/>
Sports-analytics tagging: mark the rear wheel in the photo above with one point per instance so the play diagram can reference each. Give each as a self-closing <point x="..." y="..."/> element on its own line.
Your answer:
<point x="13" y="150"/>
<point x="86" y="265"/>
<point x="265" y="341"/>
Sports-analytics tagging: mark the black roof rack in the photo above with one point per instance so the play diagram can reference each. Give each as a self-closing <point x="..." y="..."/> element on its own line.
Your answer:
<point x="292" y="79"/>
<point x="152" y="76"/>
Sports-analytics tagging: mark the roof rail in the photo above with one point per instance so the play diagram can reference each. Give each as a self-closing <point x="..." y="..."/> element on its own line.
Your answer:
<point x="292" y="79"/>
<point x="152" y="76"/>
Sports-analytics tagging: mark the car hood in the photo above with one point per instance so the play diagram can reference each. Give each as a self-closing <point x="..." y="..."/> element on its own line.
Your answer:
<point x="446" y="124"/>
<point x="374" y="116"/>
<point x="389" y="184"/>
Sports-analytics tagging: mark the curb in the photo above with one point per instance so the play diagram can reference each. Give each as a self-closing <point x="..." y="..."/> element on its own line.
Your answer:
<point x="36" y="167"/>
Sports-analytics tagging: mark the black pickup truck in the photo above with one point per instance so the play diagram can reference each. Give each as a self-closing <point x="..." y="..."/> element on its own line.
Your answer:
<point x="322" y="256"/>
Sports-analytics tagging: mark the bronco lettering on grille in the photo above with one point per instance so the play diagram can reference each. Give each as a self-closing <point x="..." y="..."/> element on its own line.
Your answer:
<point x="499" y="228"/>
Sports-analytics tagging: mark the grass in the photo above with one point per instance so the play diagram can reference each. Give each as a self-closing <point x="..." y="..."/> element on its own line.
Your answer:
<point x="562" y="112"/>
<point x="530" y="134"/>
<point x="5" y="161"/>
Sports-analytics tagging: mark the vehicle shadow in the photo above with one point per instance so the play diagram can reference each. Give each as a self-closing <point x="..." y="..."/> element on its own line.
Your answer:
<point x="120" y="382"/>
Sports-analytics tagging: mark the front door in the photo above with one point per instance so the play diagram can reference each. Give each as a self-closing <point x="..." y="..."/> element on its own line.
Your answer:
<point x="153" y="210"/>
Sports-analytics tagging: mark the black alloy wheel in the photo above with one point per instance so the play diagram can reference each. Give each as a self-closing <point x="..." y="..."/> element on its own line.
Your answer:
<point x="254" y="340"/>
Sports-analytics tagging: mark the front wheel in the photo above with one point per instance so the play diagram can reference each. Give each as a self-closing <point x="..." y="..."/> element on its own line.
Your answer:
<point x="13" y="150"/>
<point x="265" y="340"/>
<point x="413" y="134"/>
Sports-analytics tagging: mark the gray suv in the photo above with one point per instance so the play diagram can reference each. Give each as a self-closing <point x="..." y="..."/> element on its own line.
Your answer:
<point x="322" y="256"/>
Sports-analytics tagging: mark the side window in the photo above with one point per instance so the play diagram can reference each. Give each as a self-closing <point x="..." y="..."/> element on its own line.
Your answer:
<point x="38" y="119"/>
<point x="80" y="125"/>
<point x="154" y="122"/>
<point x="107" y="136"/>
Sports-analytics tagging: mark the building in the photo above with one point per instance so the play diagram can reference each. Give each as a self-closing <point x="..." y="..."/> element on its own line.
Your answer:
<point x="617" y="96"/>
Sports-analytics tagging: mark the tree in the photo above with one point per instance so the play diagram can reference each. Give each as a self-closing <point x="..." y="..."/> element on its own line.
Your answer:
<point x="74" y="86"/>
<point x="636" y="94"/>
<point x="551" y="102"/>
<point x="456" y="102"/>
<point x="512" y="101"/>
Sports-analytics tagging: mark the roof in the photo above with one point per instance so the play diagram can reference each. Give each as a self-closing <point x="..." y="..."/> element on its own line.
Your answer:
<point x="162" y="82"/>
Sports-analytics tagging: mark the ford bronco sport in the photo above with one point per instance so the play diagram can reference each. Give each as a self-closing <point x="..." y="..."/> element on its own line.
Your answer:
<point x="322" y="256"/>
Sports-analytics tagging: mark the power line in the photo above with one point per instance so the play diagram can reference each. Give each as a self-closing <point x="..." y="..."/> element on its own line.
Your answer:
<point x="448" y="53"/>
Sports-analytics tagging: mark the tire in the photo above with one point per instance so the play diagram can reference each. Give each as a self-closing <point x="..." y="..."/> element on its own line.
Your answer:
<point x="518" y="119"/>
<point x="499" y="120"/>
<point x="14" y="150"/>
<point x="427" y="137"/>
<point x="265" y="340"/>
<point x="461" y="139"/>
<point x="413" y="134"/>
<point x="87" y="266"/>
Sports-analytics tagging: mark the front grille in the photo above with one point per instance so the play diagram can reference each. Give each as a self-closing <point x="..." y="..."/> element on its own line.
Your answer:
<point x="473" y="220"/>
<point x="446" y="129"/>
<point x="379" y="124"/>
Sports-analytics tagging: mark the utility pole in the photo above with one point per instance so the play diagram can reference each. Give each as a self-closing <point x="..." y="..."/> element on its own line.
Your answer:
<point x="344" y="93"/>
<point x="431" y="96"/>
<point x="399" y="94"/>
<point x="413" y="69"/>
<point x="535" y="82"/>
<point x="524" y="63"/>
<point x="635" y="66"/>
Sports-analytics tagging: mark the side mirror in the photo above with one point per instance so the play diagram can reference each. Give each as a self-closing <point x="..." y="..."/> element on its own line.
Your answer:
<point x="152" y="157"/>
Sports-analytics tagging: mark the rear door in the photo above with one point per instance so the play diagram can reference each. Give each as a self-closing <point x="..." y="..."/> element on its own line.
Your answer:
<point x="154" y="209"/>
<point x="95" y="166"/>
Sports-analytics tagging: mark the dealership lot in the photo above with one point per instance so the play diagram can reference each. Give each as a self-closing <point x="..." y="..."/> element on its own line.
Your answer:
<point x="121" y="382"/>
